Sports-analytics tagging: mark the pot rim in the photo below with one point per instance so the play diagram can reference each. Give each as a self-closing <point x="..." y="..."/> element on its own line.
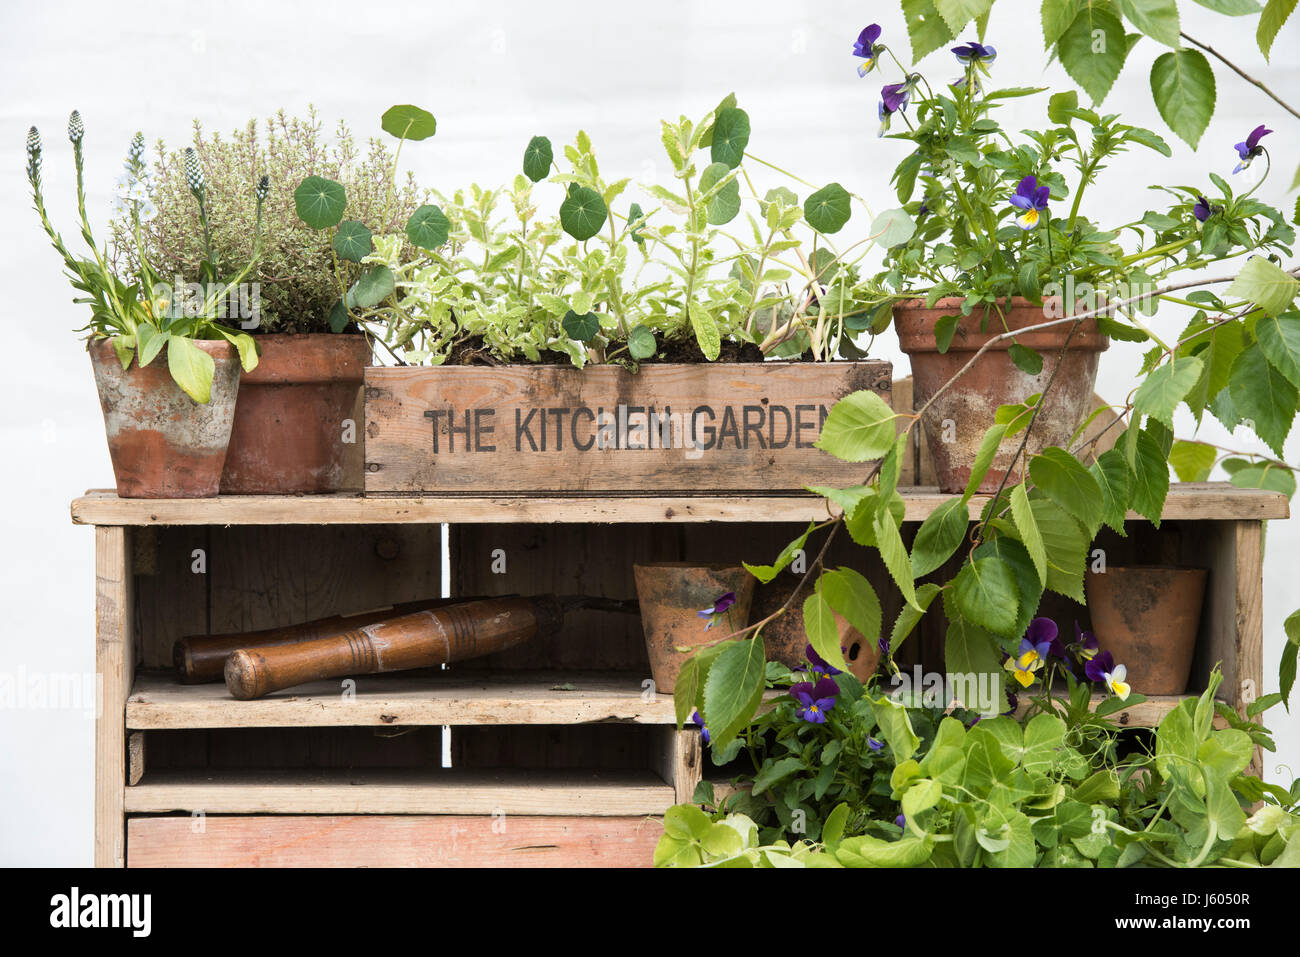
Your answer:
<point x="704" y="566"/>
<point x="1160" y="568"/>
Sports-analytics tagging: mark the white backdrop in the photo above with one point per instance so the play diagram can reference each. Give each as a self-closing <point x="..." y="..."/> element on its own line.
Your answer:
<point x="494" y="74"/>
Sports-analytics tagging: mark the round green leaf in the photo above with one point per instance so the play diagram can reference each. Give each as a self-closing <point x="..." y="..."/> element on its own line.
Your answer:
<point x="320" y="202"/>
<point x="730" y="136"/>
<point x="537" y="158"/>
<point x="724" y="206"/>
<point x="582" y="328"/>
<point x="408" y="122"/>
<point x="893" y="227"/>
<point x="428" y="227"/>
<point x="352" y="241"/>
<point x="339" y="317"/>
<point x="371" y="288"/>
<point x="828" y="209"/>
<point x="641" y="343"/>
<point x="583" y="212"/>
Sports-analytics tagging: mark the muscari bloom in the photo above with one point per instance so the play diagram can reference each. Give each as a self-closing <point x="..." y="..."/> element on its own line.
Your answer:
<point x="717" y="609"/>
<point x="1249" y="148"/>
<point x="33" y="155"/>
<point x="893" y="99"/>
<point x="1032" y="198"/>
<point x="1034" y="649"/>
<point x="1103" y="668"/>
<point x="193" y="172"/>
<point x="263" y="187"/>
<point x="76" y="128"/>
<point x="865" y="47"/>
<point x="814" y="700"/>
<point x="699" y="723"/>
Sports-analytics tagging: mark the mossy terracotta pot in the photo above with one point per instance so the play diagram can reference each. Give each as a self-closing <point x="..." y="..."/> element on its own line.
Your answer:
<point x="955" y="424"/>
<point x="164" y="444"/>
<point x="297" y="427"/>
<point x="1147" y="617"/>
<point x="671" y="595"/>
<point x="785" y="639"/>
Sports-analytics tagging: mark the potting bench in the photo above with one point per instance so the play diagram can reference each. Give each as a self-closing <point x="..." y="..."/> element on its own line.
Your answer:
<point x="561" y="752"/>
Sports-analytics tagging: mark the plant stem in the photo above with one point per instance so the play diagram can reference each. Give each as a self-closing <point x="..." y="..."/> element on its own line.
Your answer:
<point x="1240" y="72"/>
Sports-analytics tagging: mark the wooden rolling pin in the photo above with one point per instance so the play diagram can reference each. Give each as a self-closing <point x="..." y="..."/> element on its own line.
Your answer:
<point x="424" y="639"/>
<point x="200" y="658"/>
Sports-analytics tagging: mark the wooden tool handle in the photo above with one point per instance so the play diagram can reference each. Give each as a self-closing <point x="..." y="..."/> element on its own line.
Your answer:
<point x="200" y="658"/>
<point x="424" y="639"/>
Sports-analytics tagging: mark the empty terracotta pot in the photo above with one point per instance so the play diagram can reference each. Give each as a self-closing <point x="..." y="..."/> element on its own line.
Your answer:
<point x="956" y="423"/>
<point x="672" y="594"/>
<point x="291" y="420"/>
<point x="164" y="444"/>
<point x="1147" y="617"/>
<point x="786" y="640"/>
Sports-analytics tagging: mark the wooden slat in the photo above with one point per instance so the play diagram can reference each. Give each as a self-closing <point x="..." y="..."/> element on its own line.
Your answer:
<point x="410" y="791"/>
<point x="679" y="760"/>
<point x="114" y="664"/>
<point x="1147" y="714"/>
<point x="1187" y="500"/>
<point x="413" y="841"/>
<point x="454" y="698"/>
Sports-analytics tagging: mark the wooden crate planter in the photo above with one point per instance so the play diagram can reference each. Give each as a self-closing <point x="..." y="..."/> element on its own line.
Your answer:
<point x="667" y="428"/>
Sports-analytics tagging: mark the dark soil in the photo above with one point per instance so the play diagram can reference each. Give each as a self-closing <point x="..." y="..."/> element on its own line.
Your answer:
<point x="472" y="351"/>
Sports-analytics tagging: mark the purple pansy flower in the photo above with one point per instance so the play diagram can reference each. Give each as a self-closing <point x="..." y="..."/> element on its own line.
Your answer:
<point x="1103" y="668"/>
<point x="1202" y="209"/>
<point x="1085" y="642"/>
<point x="882" y="644"/>
<point x="1249" y="148"/>
<point x="715" y="610"/>
<point x="976" y="53"/>
<point x="866" y="47"/>
<point x="1032" y="198"/>
<point x="814" y="700"/>
<point x="875" y="745"/>
<point x="699" y="723"/>
<point x="893" y="99"/>
<point x="1034" y="649"/>
<point x="901" y="821"/>
<point x="820" y="669"/>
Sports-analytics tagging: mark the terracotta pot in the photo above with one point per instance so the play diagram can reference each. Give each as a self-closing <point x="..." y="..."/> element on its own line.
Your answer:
<point x="289" y="422"/>
<point x="671" y="596"/>
<point x="956" y="423"/>
<point x="1147" y="617"/>
<point x="786" y="640"/>
<point x="164" y="444"/>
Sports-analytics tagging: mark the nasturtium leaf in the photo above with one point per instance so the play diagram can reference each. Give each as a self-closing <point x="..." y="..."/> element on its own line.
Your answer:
<point x="538" y="158"/>
<point x="940" y="535"/>
<point x="1115" y="479"/>
<point x="408" y="122"/>
<point x="1265" y="284"/>
<point x="583" y="212"/>
<point x="339" y="317"/>
<point x="1192" y="461"/>
<point x="724" y="205"/>
<point x="706" y="136"/>
<point x="859" y="427"/>
<point x="191" y="368"/>
<point x="1026" y="359"/>
<point x="1063" y="479"/>
<point x="828" y="209"/>
<point x="1166" y="386"/>
<point x="851" y="597"/>
<point x="352" y="241"/>
<point x="1182" y="85"/>
<point x="986" y="594"/>
<point x="893" y="227"/>
<point x="641" y="342"/>
<point x="428" y="228"/>
<point x="1267" y="475"/>
<point x="320" y="202"/>
<point x="371" y="288"/>
<point x="1264" y="396"/>
<point x="1093" y="48"/>
<point x="730" y="136"/>
<point x="582" y="328"/>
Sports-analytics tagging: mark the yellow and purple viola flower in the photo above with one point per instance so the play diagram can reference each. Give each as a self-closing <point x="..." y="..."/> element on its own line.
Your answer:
<point x="893" y="99"/>
<point x="1249" y="148"/>
<point x="812" y="701"/>
<point x="1103" y="669"/>
<point x="699" y="723"/>
<point x="717" y="609"/>
<point x="1033" y="652"/>
<point x="866" y="48"/>
<point x="1085" y="643"/>
<point x="1032" y="198"/>
<point x="976" y="55"/>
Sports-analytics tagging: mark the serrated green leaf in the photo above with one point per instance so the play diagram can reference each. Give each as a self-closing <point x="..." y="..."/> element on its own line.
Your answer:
<point x="1150" y="472"/>
<point x="1262" y="395"/>
<point x="1066" y="543"/>
<point x="823" y="634"/>
<point x="1166" y="386"/>
<point x="926" y="29"/>
<point x="851" y="597"/>
<point x="986" y="594"/>
<point x="1158" y="19"/>
<point x="1115" y="479"/>
<point x="1266" y="285"/>
<point x="1063" y="479"/>
<point x="1023" y="516"/>
<point x="1276" y="13"/>
<point x="940" y="535"/>
<point x="1093" y="49"/>
<point x="859" y="427"/>
<point x="1192" y="461"/>
<point x="732" y="690"/>
<point x="1279" y="338"/>
<point x="1182" y="85"/>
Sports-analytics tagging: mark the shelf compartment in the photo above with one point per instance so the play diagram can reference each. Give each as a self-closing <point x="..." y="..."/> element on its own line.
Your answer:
<point x="1187" y="500"/>
<point x="392" y="841"/>
<point x="405" y="791"/>
<point x="159" y="702"/>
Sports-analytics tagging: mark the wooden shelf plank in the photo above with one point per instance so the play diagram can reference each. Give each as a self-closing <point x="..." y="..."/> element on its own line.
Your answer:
<point x="432" y="791"/>
<point x="1147" y="714"/>
<point x="158" y="702"/>
<point x="1187" y="500"/>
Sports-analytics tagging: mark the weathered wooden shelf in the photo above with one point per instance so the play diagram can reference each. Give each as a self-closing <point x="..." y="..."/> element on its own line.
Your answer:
<point x="1146" y="714"/>
<point x="159" y="702"/>
<point x="1187" y="500"/>
<point x="422" y="791"/>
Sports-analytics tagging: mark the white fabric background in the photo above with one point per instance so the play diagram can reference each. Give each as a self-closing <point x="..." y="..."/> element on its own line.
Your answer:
<point x="494" y="74"/>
